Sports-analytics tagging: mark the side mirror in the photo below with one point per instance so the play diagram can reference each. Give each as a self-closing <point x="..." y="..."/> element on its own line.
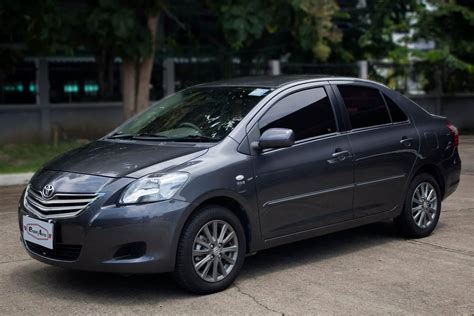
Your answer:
<point x="276" y="138"/>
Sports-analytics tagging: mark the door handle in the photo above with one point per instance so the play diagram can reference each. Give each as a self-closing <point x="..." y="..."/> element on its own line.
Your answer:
<point x="339" y="155"/>
<point x="407" y="141"/>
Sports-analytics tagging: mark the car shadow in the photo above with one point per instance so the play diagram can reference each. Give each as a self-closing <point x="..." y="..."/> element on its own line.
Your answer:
<point x="119" y="289"/>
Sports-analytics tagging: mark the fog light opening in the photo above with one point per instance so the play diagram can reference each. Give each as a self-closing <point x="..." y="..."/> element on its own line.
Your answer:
<point x="130" y="251"/>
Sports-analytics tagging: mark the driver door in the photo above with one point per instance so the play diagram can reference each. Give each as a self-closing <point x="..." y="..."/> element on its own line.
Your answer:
<point x="309" y="184"/>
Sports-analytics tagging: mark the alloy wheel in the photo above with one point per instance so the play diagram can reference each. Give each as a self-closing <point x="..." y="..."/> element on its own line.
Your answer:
<point x="215" y="250"/>
<point x="424" y="205"/>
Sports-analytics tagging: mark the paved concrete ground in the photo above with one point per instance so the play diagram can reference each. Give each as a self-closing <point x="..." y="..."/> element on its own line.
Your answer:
<point x="368" y="270"/>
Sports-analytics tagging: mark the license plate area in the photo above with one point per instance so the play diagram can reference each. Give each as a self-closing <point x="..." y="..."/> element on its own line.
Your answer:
<point x="38" y="232"/>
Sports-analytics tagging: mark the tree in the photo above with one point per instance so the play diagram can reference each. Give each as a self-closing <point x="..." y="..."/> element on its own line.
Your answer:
<point x="308" y="22"/>
<point x="369" y="27"/>
<point x="450" y="26"/>
<point x="127" y="30"/>
<point x="107" y="28"/>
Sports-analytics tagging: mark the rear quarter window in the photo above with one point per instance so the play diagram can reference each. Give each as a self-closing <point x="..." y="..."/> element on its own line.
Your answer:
<point x="395" y="112"/>
<point x="365" y="106"/>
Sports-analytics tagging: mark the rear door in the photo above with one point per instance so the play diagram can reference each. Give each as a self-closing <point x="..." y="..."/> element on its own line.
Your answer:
<point x="384" y="143"/>
<point x="311" y="183"/>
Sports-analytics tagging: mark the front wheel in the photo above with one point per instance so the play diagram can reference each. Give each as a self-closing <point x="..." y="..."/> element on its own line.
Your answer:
<point x="211" y="251"/>
<point x="422" y="207"/>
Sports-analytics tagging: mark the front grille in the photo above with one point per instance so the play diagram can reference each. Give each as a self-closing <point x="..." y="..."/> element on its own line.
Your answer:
<point x="60" y="251"/>
<point x="59" y="205"/>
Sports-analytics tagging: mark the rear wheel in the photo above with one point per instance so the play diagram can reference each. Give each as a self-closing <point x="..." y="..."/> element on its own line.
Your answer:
<point x="211" y="251"/>
<point x="422" y="207"/>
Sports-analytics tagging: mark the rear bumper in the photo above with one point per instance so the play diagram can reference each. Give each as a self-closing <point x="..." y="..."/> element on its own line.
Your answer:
<point x="99" y="233"/>
<point x="451" y="169"/>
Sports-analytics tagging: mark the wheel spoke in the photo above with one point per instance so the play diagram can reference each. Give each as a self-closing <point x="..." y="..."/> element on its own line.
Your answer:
<point x="425" y="190"/>
<point x="202" y="243"/>
<point x="433" y="200"/>
<point x="420" y="220"/>
<point x="202" y="262"/>
<point x="427" y="218"/>
<point x="228" y="259"/>
<point x="430" y="194"/>
<point x="214" y="230"/>
<point x="418" y="193"/>
<point x="230" y="249"/>
<point x="228" y="238"/>
<point x="415" y="217"/>
<point x="206" y="269"/>
<point x="221" y="267"/>
<point x="201" y="252"/>
<point x="415" y="209"/>
<point x="208" y="234"/>
<point x="214" y="269"/>
<point x="222" y="234"/>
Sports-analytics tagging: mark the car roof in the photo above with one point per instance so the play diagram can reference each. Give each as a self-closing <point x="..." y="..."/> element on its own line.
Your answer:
<point x="272" y="81"/>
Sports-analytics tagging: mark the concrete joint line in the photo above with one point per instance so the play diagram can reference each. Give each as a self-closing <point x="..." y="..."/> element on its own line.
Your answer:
<point x="458" y="251"/>
<point x="256" y="301"/>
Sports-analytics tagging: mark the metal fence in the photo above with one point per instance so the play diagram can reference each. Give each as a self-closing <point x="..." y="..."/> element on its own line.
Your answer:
<point x="45" y="95"/>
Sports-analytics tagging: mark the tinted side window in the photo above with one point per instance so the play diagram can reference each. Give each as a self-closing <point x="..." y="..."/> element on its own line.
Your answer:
<point x="308" y="113"/>
<point x="364" y="105"/>
<point x="395" y="111"/>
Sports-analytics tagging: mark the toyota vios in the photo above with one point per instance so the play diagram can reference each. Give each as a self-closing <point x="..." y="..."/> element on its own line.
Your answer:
<point x="220" y="170"/>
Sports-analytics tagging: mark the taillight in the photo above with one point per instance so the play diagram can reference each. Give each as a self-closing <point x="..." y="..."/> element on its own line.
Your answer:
<point x="455" y="133"/>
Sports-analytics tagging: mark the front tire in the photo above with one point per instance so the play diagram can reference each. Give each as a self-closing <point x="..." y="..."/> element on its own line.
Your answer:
<point x="211" y="251"/>
<point x="422" y="207"/>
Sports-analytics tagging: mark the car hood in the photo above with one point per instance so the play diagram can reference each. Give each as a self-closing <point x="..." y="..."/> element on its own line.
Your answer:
<point x="121" y="158"/>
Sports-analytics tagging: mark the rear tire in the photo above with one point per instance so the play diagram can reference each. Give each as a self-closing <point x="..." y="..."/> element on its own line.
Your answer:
<point x="211" y="251"/>
<point x="422" y="207"/>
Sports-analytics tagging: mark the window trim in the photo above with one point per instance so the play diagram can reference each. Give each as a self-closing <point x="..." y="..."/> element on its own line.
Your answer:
<point x="303" y="141"/>
<point x="340" y="99"/>
<point x="390" y="113"/>
<point x="275" y="102"/>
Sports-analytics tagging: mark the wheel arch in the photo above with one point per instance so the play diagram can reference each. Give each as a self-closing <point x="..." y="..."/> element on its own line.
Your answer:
<point x="237" y="205"/>
<point x="435" y="171"/>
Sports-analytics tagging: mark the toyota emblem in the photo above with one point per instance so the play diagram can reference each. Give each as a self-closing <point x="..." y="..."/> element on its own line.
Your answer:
<point x="47" y="191"/>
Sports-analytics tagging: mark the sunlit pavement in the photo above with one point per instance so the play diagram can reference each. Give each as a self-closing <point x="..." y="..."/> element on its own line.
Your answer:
<point x="368" y="270"/>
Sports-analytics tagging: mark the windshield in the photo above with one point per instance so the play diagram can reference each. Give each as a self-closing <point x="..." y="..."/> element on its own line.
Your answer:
<point x="194" y="114"/>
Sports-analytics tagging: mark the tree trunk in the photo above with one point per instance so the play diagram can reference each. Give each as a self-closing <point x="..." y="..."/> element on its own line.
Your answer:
<point x="110" y="77"/>
<point x="146" y="68"/>
<point x="101" y="70"/>
<point x="129" y="87"/>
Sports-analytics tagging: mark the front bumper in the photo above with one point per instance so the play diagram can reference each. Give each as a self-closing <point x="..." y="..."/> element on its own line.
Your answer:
<point x="99" y="232"/>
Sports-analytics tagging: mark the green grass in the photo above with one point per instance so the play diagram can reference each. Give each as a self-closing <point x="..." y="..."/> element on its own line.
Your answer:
<point x="29" y="157"/>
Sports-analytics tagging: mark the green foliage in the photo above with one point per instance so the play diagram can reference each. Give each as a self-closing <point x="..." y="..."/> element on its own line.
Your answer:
<point x="314" y="27"/>
<point x="450" y="25"/>
<point x="368" y="31"/>
<point x="54" y="27"/>
<point x="308" y="21"/>
<point x="120" y="27"/>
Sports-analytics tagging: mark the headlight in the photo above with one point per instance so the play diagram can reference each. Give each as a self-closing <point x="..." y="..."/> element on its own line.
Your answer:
<point x="153" y="188"/>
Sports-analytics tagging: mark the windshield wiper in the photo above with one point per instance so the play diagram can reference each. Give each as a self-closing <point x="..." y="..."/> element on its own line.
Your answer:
<point x="137" y="135"/>
<point x="121" y="135"/>
<point x="151" y="136"/>
<point x="196" y="138"/>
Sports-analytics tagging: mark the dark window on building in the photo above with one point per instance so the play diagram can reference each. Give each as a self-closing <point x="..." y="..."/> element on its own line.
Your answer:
<point x="395" y="111"/>
<point x="18" y="84"/>
<point x="364" y="105"/>
<point x="78" y="81"/>
<point x="308" y="113"/>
